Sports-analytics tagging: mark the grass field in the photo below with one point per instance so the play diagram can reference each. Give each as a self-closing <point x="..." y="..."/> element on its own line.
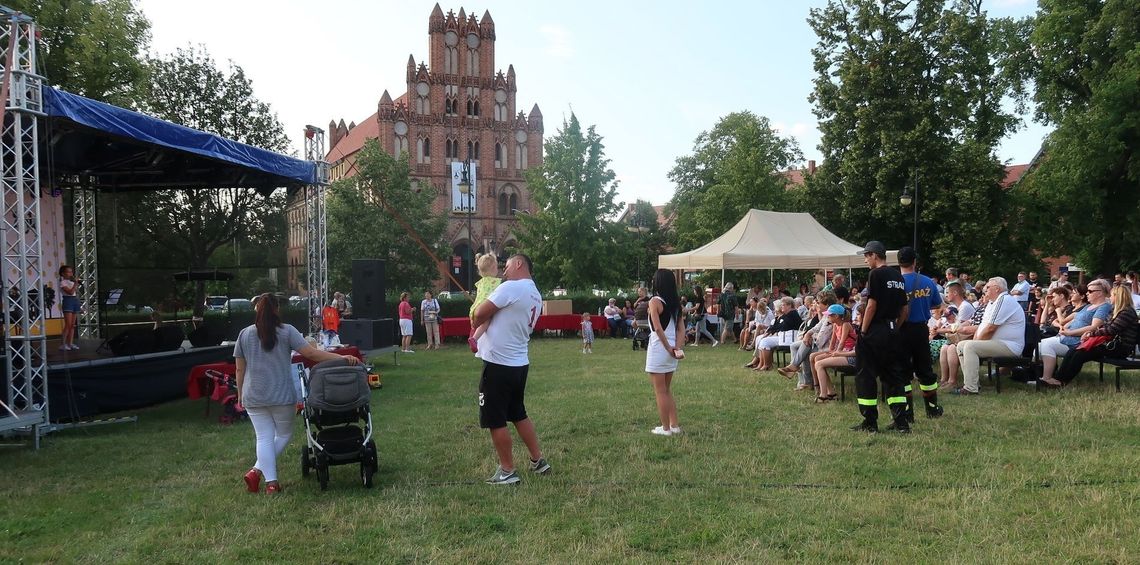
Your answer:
<point x="760" y="475"/>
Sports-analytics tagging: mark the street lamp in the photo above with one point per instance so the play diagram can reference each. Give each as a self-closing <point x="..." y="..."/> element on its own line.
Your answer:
<point x="639" y="229"/>
<point x="906" y="199"/>
<point x="465" y="187"/>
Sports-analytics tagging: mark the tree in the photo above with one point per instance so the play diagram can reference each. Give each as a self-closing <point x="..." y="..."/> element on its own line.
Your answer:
<point x="910" y="93"/>
<point x="91" y="47"/>
<point x="734" y="167"/>
<point x="186" y="227"/>
<point x="569" y="237"/>
<point x="362" y="223"/>
<point x="1083" y="198"/>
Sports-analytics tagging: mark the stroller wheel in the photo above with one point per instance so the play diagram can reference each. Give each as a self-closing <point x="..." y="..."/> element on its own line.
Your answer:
<point x="323" y="470"/>
<point x="368" y="464"/>
<point x="306" y="463"/>
<point x="366" y="473"/>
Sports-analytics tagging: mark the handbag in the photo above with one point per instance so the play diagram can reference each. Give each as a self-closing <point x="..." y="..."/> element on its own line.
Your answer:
<point x="1094" y="341"/>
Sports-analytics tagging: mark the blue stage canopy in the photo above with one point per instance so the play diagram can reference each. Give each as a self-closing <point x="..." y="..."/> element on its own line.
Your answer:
<point x="119" y="149"/>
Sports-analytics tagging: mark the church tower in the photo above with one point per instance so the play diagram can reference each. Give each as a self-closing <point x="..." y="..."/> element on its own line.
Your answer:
<point x="457" y="108"/>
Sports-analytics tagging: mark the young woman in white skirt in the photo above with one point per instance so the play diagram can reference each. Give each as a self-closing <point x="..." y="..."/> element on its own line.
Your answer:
<point x="666" y="338"/>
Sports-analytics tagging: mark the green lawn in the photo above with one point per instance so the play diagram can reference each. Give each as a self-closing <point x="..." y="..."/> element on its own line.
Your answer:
<point x="761" y="475"/>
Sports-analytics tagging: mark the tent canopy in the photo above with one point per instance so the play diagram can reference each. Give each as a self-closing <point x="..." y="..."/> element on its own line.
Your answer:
<point x="773" y="240"/>
<point x="119" y="149"/>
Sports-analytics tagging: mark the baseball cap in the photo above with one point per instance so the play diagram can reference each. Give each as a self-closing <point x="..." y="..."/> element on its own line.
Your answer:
<point x="875" y="247"/>
<point x="907" y="255"/>
<point x="836" y="309"/>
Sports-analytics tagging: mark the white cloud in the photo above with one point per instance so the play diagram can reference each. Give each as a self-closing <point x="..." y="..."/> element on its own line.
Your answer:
<point x="557" y="41"/>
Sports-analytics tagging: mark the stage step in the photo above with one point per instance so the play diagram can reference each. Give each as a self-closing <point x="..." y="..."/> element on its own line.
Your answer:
<point x="25" y="419"/>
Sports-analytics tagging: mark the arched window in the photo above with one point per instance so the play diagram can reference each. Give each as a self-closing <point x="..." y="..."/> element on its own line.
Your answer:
<point x="514" y="203"/>
<point x="476" y="109"/>
<point x="504" y="205"/>
<point x="469" y="108"/>
<point x="498" y="155"/>
<point x="520" y="156"/>
<point x="470" y="150"/>
<point x="476" y="150"/>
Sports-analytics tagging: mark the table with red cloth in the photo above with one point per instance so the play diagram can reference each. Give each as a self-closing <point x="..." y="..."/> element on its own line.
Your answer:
<point x="561" y="322"/>
<point x="199" y="385"/>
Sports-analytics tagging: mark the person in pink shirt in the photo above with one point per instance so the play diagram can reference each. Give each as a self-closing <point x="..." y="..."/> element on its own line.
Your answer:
<point x="406" y="315"/>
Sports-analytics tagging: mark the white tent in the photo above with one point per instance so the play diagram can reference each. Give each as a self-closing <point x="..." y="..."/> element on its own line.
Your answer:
<point x="773" y="240"/>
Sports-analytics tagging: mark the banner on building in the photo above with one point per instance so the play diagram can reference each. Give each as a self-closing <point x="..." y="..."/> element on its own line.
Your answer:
<point x="460" y="201"/>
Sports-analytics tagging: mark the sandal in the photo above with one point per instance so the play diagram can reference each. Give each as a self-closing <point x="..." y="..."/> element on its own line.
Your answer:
<point x="824" y="399"/>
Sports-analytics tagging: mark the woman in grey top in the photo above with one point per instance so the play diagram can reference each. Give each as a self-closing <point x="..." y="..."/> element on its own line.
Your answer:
<point x="265" y="385"/>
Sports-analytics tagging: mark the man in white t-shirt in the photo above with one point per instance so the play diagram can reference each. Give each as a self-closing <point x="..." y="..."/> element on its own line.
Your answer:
<point x="511" y="310"/>
<point x="1020" y="291"/>
<point x="1001" y="334"/>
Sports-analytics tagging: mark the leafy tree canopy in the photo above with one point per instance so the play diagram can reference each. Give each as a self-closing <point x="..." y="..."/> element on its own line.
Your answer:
<point x="570" y="237"/>
<point x="361" y="226"/>
<point x="734" y="167"/>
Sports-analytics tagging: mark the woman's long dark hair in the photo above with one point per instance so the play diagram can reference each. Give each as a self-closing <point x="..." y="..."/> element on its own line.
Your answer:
<point x="665" y="287"/>
<point x="268" y="320"/>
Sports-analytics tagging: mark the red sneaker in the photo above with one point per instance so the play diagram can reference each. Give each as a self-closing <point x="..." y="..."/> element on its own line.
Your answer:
<point x="474" y="345"/>
<point x="253" y="480"/>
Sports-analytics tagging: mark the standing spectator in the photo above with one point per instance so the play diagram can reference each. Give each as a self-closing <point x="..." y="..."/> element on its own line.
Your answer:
<point x="587" y="333"/>
<point x="429" y="316"/>
<point x="342" y="305"/>
<point x="951" y="278"/>
<point x="1133" y="285"/>
<point x="510" y="313"/>
<point x="614" y="317"/>
<point x="728" y="311"/>
<point x="406" y="313"/>
<point x="1062" y="280"/>
<point x="666" y="338"/>
<point x="1002" y="333"/>
<point x="265" y="385"/>
<point x="1021" y="291"/>
<point x="876" y="351"/>
<point x="923" y="296"/>
<point x="69" y="304"/>
<point x="698" y="313"/>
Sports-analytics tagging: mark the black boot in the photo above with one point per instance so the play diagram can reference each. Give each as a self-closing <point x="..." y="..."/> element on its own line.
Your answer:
<point x="900" y="423"/>
<point x="933" y="409"/>
<point x="909" y="408"/>
<point x="870" y="421"/>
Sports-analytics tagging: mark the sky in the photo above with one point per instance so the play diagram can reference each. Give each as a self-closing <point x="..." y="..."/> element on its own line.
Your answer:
<point x="650" y="75"/>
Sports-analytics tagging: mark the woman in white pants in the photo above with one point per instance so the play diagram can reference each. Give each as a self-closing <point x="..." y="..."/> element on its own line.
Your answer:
<point x="1088" y="302"/>
<point x="265" y="385"/>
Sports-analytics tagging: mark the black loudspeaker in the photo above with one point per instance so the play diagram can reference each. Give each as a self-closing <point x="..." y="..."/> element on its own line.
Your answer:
<point x="368" y="334"/>
<point x="136" y="341"/>
<point x="368" y="288"/>
<point x="168" y="337"/>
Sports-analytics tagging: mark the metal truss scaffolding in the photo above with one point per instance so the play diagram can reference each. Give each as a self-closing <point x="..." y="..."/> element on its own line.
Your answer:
<point x="317" y="261"/>
<point x="86" y="262"/>
<point x="25" y="336"/>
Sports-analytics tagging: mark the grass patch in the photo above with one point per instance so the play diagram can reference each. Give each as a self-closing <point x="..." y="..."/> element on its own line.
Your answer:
<point x="761" y="474"/>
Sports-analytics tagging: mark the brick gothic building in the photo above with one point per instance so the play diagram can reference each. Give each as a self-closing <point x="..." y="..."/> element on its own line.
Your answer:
<point x="455" y="107"/>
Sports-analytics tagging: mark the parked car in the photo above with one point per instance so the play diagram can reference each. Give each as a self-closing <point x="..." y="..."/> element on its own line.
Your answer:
<point x="237" y="305"/>
<point x="216" y="302"/>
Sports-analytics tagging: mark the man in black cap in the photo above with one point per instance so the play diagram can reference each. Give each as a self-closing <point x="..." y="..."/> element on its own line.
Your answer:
<point x="923" y="295"/>
<point x="876" y="352"/>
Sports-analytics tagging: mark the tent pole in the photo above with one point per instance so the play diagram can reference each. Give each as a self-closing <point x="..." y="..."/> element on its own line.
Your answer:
<point x="722" y="278"/>
<point x="771" y="279"/>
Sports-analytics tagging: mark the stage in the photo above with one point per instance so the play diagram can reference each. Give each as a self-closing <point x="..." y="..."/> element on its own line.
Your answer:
<point x="87" y="383"/>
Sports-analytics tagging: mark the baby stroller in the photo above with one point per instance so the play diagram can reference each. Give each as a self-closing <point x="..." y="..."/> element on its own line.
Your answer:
<point x="336" y="396"/>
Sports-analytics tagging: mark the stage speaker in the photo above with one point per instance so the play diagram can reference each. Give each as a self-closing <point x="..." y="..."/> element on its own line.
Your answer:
<point x="367" y="334"/>
<point x="168" y="337"/>
<point x="368" y="288"/>
<point x="135" y="341"/>
<point x="205" y="336"/>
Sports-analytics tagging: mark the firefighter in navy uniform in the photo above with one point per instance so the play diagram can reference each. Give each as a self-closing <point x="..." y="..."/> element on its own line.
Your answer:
<point x="877" y="353"/>
<point x="923" y="295"/>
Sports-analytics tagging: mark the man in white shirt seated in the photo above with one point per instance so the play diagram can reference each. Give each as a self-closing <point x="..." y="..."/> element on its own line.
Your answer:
<point x="614" y="318"/>
<point x="1001" y="334"/>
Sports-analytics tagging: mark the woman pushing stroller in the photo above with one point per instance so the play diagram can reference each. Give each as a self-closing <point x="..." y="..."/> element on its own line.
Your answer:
<point x="265" y="385"/>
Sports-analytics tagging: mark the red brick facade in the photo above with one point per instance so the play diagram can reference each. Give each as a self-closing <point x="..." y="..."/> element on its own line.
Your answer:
<point x="456" y="106"/>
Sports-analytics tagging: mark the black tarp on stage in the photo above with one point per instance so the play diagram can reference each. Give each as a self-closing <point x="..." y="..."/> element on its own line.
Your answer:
<point x="103" y="386"/>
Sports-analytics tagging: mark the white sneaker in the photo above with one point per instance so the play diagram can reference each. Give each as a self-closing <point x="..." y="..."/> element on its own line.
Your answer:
<point x="715" y="343"/>
<point x="660" y="431"/>
<point x="74" y="347"/>
<point x="675" y="431"/>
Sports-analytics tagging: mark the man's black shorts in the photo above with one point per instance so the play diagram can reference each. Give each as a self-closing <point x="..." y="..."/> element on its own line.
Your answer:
<point x="501" y="391"/>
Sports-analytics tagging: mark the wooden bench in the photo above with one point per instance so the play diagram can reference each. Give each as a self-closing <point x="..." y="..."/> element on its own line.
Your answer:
<point x="1127" y="364"/>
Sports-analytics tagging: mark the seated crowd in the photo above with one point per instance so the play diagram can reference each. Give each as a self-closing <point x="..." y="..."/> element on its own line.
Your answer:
<point x="975" y="321"/>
